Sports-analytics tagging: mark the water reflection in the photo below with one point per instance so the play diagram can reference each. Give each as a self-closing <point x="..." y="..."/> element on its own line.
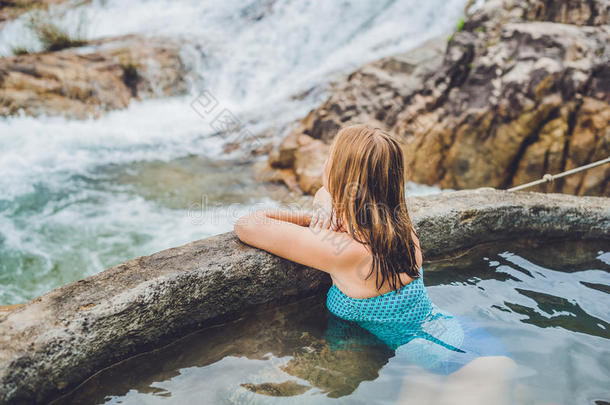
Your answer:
<point x="288" y="333"/>
<point x="325" y="354"/>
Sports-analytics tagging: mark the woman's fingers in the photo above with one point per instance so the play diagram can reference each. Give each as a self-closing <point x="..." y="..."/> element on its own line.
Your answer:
<point x="326" y="223"/>
<point x="317" y="219"/>
<point x="314" y="219"/>
<point x="320" y="219"/>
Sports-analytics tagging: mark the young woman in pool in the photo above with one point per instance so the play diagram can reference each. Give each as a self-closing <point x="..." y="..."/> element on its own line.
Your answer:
<point x="360" y="233"/>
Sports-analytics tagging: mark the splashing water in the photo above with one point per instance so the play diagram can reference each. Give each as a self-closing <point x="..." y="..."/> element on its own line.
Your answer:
<point x="79" y="196"/>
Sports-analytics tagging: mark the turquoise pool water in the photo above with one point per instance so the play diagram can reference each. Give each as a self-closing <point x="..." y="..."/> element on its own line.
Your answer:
<point x="544" y="304"/>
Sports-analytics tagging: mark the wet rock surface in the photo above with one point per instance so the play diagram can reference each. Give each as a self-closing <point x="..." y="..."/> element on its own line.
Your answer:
<point x="88" y="81"/>
<point x="522" y="89"/>
<point x="54" y="342"/>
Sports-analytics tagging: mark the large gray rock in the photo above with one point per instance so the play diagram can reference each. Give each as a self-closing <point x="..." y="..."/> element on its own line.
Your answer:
<point x="89" y="81"/>
<point x="54" y="342"/>
<point x="373" y="94"/>
<point x="521" y="89"/>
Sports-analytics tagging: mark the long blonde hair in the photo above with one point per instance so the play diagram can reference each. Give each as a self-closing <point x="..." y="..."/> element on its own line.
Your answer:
<point x="366" y="182"/>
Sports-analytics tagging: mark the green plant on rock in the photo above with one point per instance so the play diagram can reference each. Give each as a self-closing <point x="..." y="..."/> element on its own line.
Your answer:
<point x="460" y="25"/>
<point x="20" y="50"/>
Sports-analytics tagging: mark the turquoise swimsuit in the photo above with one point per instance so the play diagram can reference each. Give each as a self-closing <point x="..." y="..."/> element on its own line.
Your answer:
<point x="408" y="322"/>
<point x="410" y="304"/>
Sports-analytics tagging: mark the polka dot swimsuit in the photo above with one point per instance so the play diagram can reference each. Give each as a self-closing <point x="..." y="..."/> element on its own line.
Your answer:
<point x="410" y="304"/>
<point x="407" y="322"/>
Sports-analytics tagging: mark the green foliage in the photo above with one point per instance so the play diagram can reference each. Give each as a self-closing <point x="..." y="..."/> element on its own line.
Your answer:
<point x="51" y="35"/>
<point x="480" y="28"/>
<point x="460" y="25"/>
<point x="20" y="50"/>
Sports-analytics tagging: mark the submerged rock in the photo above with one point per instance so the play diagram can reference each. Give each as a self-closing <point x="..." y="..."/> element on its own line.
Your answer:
<point x="283" y="389"/>
<point x="80" y="82"/>
<point x="521" y="90"/>
<point x="56" y="341"/>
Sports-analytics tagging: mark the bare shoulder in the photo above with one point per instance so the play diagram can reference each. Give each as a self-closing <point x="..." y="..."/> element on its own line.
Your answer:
<point x="358" y="256"/>
<point x="354" y="253"/>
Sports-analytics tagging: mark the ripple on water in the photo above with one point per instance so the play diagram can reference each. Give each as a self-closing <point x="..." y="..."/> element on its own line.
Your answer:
<point x="548" y="321"/>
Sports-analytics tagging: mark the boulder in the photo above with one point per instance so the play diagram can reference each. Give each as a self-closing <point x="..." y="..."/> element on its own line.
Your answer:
<point x="521" y="90"/>
<point x="82" y="82"/>
<point x="309" y="164"/>
<point x="371" y="94"/>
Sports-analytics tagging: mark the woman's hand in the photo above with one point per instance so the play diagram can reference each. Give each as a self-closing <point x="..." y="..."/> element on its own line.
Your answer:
<point x="322" y="208"/>
<point x="320" y="218"/>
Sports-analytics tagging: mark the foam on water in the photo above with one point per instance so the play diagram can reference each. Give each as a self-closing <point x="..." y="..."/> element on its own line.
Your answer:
<point x="64" y="214"/>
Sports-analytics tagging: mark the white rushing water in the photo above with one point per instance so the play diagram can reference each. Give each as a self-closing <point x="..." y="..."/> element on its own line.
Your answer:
<point x="77" y="196"/>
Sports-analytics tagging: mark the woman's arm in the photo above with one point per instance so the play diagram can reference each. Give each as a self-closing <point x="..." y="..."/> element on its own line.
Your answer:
<point x="321" y="201"/>
<point x="323" y="249"/>
<point x="299" y="217"/>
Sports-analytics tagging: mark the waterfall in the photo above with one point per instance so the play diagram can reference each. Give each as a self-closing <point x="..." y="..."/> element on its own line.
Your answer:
<point x="77" y="196"/>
